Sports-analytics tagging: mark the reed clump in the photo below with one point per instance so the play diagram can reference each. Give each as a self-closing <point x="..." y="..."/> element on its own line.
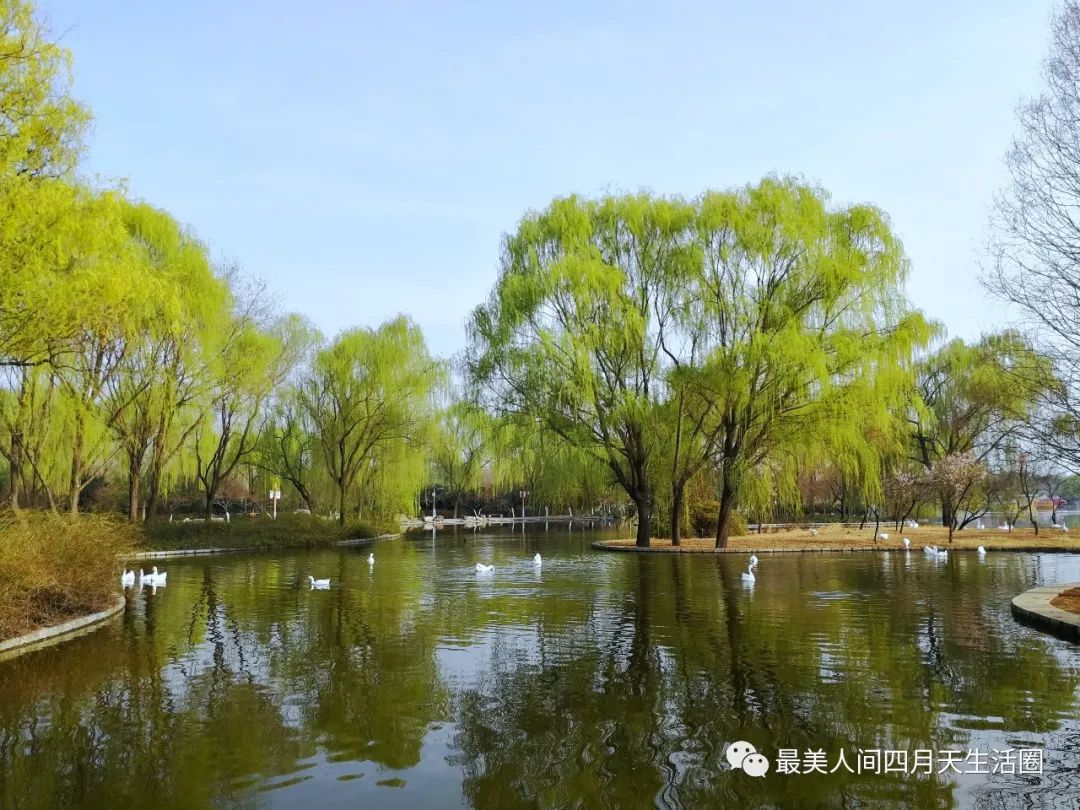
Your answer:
<point x="54" y="568"/>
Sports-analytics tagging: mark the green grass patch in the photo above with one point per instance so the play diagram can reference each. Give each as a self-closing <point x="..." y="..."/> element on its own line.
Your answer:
<point x="287" y="531"/>
<point x="53" y="568"/>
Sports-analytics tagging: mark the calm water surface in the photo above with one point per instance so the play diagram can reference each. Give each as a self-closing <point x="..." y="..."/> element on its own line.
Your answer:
<point x="601" y="680"/>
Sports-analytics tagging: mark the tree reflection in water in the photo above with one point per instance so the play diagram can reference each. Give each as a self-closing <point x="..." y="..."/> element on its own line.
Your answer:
<point x="606" y="680"/>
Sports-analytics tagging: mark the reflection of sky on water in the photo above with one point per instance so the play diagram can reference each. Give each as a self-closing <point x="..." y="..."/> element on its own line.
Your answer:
<point x="599" y="674"/>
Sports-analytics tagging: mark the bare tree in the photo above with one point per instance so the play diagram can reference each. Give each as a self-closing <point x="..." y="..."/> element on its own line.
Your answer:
<point x="1035" y="247"/>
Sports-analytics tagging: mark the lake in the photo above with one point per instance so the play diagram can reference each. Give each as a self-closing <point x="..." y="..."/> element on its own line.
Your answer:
<point x="600" y="679"/>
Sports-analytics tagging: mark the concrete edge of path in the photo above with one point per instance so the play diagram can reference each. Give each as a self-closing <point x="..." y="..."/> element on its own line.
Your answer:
<point x="54" y="634"/>
<point x="191" y="552"/>
<point x="618" y="545"/>
<point x="366" y="541"/>
<point x="1033" y="608"/>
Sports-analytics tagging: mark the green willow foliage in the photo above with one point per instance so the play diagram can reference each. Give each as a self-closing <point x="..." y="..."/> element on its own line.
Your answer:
<point x="742" y="330"/>
<point x="133" y="372"/>
<point x="733" y="350"/>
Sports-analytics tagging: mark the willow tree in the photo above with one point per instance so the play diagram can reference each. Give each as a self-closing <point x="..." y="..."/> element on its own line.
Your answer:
<point x="802" y="310"/>
<point x="367" y="390"/>
<point x="41" y="128"/>
<point x="257" y="356"/>
<point x="974" y="397"/>
<point x="288" y="446"/>
<point x="458" y="451"/>
<point x="159" y="370"/>
<point x="110" y="303"/>
<point x="42" y="125"/>
<point x="571" y="335"/>
<point x="525" y="454"/>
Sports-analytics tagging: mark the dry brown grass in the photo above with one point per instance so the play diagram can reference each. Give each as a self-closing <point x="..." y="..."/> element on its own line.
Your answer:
<point x="1068" y="600"/>
<point x="53" y="569"/>
<point x="838" y="537"/>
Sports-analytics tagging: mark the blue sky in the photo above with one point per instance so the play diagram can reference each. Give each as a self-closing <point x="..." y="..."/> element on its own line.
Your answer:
<point x="365" y="158"/>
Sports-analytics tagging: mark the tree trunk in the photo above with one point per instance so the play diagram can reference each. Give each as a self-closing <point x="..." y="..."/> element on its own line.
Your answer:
<point x="947" y="514"/>
<point x="644" y="528"/>
<point x="133" y="496"/>
<point x="678" y="491"/>
<point x="75" y="482"/>
<point x="16" y="470"/>
<point x="211" y="493"/>
<point x="723" y="518"/>
<point x="341" y="503"/>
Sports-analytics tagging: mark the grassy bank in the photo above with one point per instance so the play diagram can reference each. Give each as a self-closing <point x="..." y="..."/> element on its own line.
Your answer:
<point x="53" y="569"/>
<point x="838" y="537"/>
<point x="288" y="531"/>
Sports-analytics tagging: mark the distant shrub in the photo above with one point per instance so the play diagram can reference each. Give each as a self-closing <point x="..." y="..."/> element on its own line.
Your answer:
<point x="54" y="568"/>
<point x="242" y="531"/>
<point x="703" y="516"/>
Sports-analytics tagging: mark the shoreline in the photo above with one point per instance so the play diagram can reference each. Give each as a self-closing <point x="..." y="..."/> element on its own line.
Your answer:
<point x="56" y="633"/>
<point x="798" y="542"/>
<point x="158" y="554"/>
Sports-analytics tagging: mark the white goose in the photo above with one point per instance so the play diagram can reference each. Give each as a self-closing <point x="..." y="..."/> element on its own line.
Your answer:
<point x="907" y="543"/>
<point x="748" y="574"/>
<point x="153" y="578"/>
<point x="371" y="558"/>
<point x="753" y="560"/>
<point x="982" y="551"/>
<point x="127" y="579"/>
<point x="318" y="583"/>
<point x="929" y="551"/>
<point x="883" y="535"/>
<point x="537" y="560"/>
<point x="484" y="569"/>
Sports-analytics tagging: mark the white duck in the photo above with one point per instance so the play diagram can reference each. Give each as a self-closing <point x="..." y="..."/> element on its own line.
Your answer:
<point x="484" y="569"/>
<point x="127" y="579"/>
<point x="907" y="543"/>
<point x="153" y="578"/>
<point x="318" y="583"/>
<point x="537" y="560"/>
<point x="813" y="532"/>
<point x="883" y="536"/>
<point x="982" y="551"/>
<point x="929" y="551"/>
